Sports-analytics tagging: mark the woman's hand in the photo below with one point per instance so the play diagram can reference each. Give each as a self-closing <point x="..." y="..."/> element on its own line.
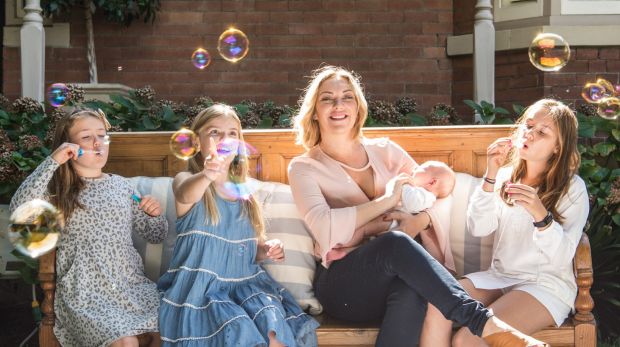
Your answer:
<point x="496" y="155"/>
<point x="150" y="206"/>
<point x="66" y="151"/>
<point x="527" y="197"/>
<point x="214" y="163"/>
<point x="408" y="223"/>
<point x="272" y="249"/>
<point x="394" y="188"/>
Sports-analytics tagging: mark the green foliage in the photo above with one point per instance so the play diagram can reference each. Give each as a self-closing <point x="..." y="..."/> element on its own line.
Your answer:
<point x="599" y="169"/>
<point x="489" y="114"/>
<point x="116" y="11"/>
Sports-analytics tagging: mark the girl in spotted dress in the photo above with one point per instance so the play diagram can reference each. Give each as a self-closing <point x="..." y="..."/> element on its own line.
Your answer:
<point x="215" y="293"/>
<point x="102" y="296"/>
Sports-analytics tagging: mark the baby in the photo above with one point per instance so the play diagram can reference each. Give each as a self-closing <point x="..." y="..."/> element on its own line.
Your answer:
<point x="433" y="180"/>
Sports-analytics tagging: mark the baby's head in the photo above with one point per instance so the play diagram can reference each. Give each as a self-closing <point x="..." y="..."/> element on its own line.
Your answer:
<point x="436" y="177"/>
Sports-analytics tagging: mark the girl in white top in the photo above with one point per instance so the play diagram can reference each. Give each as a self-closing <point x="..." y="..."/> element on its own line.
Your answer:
<point x="538" y="207"/>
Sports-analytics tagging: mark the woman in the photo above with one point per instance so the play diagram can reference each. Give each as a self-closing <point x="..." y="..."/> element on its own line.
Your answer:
<point x="538" y="207"/>
<point x="339" y="186"/>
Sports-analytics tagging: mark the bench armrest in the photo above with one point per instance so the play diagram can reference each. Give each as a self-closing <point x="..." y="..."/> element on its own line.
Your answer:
<point x="584" y="276"/>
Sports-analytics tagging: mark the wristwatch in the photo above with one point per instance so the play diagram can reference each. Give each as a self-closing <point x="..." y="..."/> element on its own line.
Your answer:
<point x="545" y="221"/>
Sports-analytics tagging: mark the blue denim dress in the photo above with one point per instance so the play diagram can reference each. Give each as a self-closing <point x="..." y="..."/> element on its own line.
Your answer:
<point x="215" y="294"/>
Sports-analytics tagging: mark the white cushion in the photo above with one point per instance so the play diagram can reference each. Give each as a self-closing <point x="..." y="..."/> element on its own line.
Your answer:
<point x="470" y="253"/>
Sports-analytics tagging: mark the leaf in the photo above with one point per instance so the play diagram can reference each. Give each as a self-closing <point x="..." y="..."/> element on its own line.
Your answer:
<point x="417" y="120"/>
<point x="616" y="218"/>
<point x="265" y="123"/>
<point x="501" y="110"/>
<point x="148" y="123"/>
<point x="519" y="109"/>
<point x="242" y="109"/>
<point x="122" y="101"/>
<point x="503" y="121"/>
<point x="169" y="115"/>
<point x="474" y="105"/>
<point x="604" y="149"/>
<point x="586" y="130"/>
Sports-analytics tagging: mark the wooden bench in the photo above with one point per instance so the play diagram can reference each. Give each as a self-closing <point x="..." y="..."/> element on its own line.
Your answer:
<point x="462" y="147"/>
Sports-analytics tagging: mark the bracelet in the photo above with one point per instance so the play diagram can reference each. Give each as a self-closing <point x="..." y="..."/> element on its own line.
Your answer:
<point x="489" y="180"/>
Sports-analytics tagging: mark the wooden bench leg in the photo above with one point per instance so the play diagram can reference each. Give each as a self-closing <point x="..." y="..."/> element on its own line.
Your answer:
<point x="47" y="277"/>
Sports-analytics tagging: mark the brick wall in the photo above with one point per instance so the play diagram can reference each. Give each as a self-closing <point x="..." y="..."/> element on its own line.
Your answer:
<point x="518" y="82"/>
<point x="398" y="46"/>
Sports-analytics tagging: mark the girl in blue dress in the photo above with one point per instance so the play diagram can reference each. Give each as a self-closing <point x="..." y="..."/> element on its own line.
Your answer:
<point x="215" y="293"/>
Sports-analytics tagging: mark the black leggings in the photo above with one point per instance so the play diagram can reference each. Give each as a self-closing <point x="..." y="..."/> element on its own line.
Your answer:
<point x="392" y="279"/>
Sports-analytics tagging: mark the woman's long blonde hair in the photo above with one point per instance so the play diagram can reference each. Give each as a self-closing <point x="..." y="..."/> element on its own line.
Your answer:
<point x="66" y="185"/>
<point x="307" y="128"/>
<point x="237" y="172"/>
<point x="561" y="166"/>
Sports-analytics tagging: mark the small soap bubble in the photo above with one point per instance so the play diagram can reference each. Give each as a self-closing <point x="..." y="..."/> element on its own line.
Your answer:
<point x="57" y="94"/>
<point x="617" y="90"/>
<point x="184" y="144"/>
<point x="593" y="92"/>
<point x="609" y="88"/>
<point x="233" y="45"/>
<point x="609" y="108"/>
<point x="201" y="58"/>
<point x="549" y="52"/>
<point x="35" y="228"/>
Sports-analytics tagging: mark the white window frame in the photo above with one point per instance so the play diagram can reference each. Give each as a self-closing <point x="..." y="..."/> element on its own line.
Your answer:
<point x="505" y="12"/>
<point x="590" y="7"/>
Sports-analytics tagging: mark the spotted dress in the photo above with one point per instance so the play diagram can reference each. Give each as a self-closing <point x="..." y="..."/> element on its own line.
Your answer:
<point x="101" y="291"/>
<point x="215" y="294"/>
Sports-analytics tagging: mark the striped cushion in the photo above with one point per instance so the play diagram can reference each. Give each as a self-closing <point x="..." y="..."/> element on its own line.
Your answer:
<point x="470" y="253"/>
<point x="283" y="222"/>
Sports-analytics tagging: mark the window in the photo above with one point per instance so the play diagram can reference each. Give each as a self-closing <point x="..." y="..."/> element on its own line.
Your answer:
<point x="505" y="10"/>
<point x="590" y="7"/>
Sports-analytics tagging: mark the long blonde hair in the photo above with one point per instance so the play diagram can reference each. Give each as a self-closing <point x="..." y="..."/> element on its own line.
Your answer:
<point x="66" y="185"/>
<point x="561" y="166"/>
<point x="307" y="128"/>
<point x="237" y="172"/>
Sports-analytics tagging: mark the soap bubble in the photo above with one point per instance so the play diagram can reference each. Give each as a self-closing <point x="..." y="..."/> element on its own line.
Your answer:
<point x="234" y="187"/>
<point x="57" y="94"/>
<point x="549" y="52"/>
<point x="593" y="92"/>
<point x="233" y="45"/>
<point x="184" y="144"/>
<point x="35" y="228"/>
<point x="609" y="108"/>
<point x="201" y="58"/>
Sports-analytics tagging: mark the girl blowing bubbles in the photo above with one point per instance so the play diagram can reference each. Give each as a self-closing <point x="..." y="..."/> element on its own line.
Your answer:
<point x="102" y="296"/>
<point x="538" y="207"/>
<point x="215" y="293"/>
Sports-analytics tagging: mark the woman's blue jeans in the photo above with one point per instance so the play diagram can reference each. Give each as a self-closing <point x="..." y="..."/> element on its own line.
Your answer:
<point x="391" y="280"/>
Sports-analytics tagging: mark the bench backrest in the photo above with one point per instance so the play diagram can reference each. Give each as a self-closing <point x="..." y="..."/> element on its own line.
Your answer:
<point x="462" y="147"/>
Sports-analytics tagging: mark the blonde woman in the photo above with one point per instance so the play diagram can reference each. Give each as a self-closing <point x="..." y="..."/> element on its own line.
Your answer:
<point x="537" y="207"/>
<point x="343" y="185"/>
<point x="215" y="293"/>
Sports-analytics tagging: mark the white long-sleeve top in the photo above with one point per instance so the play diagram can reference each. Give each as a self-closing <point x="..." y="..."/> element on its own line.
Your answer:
<point x="522" y="253"/>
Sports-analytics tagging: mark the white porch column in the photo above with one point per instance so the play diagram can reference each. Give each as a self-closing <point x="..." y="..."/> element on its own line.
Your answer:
<point x="484" y="53"/>
<point x="32" y="41"/>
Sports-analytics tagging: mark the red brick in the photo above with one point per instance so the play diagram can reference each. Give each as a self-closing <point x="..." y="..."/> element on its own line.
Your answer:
<point x="597" y="66"/>
<point x="438" y="5"/>
<point x="304" y="29"/>
<point x="560" y="79"/>
<point x="611" y="53"/>
<point x="270" y="5"/>
<point x="436" y="28"/>
<point x="434" y="52"/>
<point x="586" y="53"/>
<point x="304" y="5"/>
